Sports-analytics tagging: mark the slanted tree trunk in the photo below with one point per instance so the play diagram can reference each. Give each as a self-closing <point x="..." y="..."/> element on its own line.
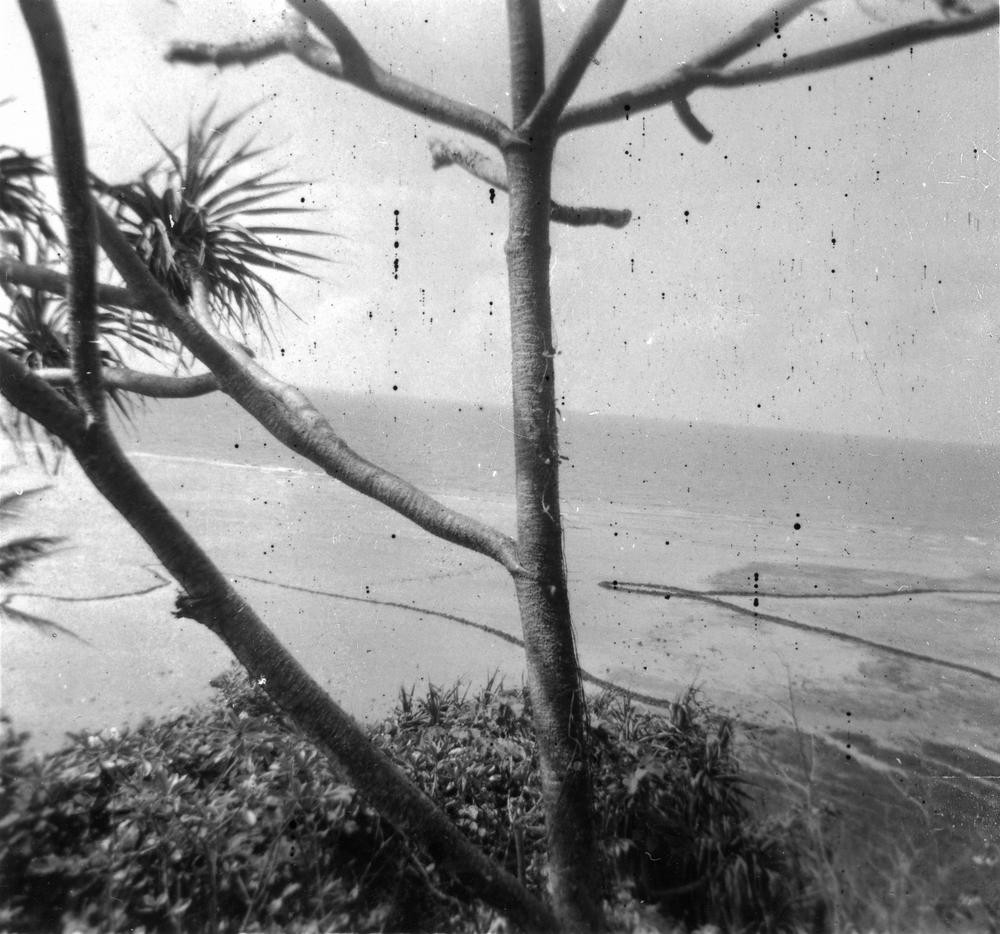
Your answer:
<point x="558" y="702"/>
<point x="211" y="600"/>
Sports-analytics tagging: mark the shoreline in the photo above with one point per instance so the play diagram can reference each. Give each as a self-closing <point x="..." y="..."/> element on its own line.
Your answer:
<point x="371" y="603"/>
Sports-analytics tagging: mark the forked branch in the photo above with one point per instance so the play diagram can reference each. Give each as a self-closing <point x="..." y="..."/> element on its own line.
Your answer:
<point x="345" y="59"/>
<point x="883" y="43"/>
<point x="289" y="415"/>
<point x="555" y="97"/>
<point x="675" y="86"/>
<point x="709" y="69"/>
<point x="485" y="169"/>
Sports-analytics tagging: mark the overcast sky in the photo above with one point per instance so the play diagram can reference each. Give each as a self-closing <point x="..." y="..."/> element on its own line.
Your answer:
<point x="829" y="261"/>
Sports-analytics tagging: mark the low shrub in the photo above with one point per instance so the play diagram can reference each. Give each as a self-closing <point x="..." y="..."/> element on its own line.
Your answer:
<point x="678" y="822"/>
<point x="220" y="820"/>
<point x="228" y="819"/>
<point x="673" y="813"/>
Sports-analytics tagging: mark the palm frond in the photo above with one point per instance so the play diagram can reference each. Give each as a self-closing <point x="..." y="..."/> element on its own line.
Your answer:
<point x="18" y="497"/>
<point x="25" y="433"/>
<point x="36" y="622"/>
<point x="22" y="204"/>
<point x="18" y="553"/>
<point x="183" y="216"/>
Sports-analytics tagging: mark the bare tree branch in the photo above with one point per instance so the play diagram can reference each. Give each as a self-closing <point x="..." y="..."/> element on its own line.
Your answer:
<point x="555" y="97"/>
<point x="883" y="43"/>
<point x="288" y="415"/>
<point x="69" y="157"/>
<point x="708" y="69"/>
<point x="754" y="34"/>
<point x="357" y="66"/>
<point x="347" y="61"/>
<point x="154" y="385"/>
<point x="750" y="37"/>
<point x="244" y="52"/>
<point x="677" y="84"/>
<point x="690" y="122"/>
<point x="527" y="57"/>
<point x="212" y="601"/>
<point x="55" y="283"/>
<point x="485" y="169"/>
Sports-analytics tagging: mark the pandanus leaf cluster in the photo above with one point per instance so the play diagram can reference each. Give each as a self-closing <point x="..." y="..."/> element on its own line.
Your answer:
<point x="23" y="207"/>
<point x="195" y="216"/>
<point x="199" y="214"/>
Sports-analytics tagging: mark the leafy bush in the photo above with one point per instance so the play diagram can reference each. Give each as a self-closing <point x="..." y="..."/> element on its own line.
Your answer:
<point x="677" y="819"/>
<point x="673" y="813"/>
<point x="220" y="820"/>
<point x="227" y="819"/>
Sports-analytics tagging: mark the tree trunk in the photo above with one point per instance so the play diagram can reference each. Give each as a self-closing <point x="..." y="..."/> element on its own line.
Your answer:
<point x="560" y="716"/>
<point x="212" y="601"/>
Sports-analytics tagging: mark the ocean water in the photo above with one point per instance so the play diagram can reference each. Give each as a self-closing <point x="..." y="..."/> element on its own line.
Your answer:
<point x="674" y="504"/>
<point x="780" y="486"/>
<point x="860" y="573"/>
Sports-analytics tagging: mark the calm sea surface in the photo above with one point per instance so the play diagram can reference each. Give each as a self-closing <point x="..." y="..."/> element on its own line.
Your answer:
<point x="658" y="467"/>
<point x="745" y="528"/>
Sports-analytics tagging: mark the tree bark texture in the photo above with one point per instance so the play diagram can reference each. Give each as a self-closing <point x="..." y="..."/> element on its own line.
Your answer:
<point x="558" y="703"/>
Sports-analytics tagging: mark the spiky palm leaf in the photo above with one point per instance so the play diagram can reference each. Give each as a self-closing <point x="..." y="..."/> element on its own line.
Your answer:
<point x="18" y="553"/>
<point x="9" y="502"/>
<point x="35" y="330"/>
<point x="189" y="219"/>
<point x="35" y="326"/>
<point x="23" y="207"/>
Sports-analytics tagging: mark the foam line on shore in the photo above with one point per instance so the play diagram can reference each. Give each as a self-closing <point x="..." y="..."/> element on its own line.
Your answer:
<point x="654" y="590"/>
<point x="209" y="462"/>
<point x="649" y="699"/>
<point x="667" y="591"/>
<point x="162" y="581"/>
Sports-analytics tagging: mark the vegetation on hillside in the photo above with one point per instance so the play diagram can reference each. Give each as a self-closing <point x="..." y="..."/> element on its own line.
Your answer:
<point x="227" y="819"/>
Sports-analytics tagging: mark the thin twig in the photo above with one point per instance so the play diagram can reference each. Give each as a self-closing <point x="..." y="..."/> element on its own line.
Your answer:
<point x="676" y="85"/>
<point x="345" y="60"/>
<point x="708" y="69"/>
<point x="883" y="43"/>
<point x="485" y="169"/>
<point x="754" y="34"/>
<point x="154" y="385"/>
<point x="590" y="38"/>
<point x="682" y="107"/>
